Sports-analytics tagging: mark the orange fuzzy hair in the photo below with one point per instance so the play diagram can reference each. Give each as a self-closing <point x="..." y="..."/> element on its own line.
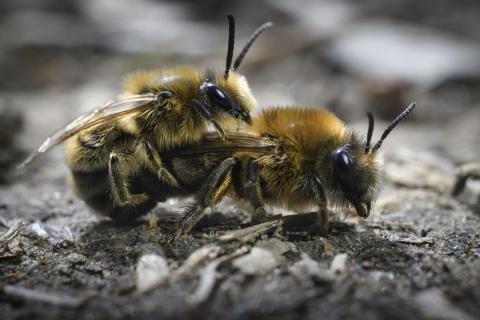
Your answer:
<point x="301" y="126"/>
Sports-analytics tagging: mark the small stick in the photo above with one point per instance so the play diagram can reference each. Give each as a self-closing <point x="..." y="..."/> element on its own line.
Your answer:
<point x="250" y="233"/>
<point x="198" y="257"/>
<point x="415" y="241"/>
<point x="49" y="298"/>
<point x="12" y="233"/>
<point x="209" y="276"/>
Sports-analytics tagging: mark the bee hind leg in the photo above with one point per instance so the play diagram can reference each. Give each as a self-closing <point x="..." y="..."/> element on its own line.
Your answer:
<point x="155" y="161"/>
<point x="254" y="192"/>
<point x="210" y="194"/>
<point x="118" y="185"/>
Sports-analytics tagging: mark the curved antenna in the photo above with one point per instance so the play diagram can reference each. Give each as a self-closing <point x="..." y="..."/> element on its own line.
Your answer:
<point x="231" y="44"/>
<point x="249" y="43"/>
<point x="371" y="123"/>
<point x="392" y="125"/>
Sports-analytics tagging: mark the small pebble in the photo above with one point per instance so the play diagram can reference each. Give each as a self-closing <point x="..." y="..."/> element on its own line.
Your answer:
<point x="258" y="262"/>
<point x="307" y="267"/>
<point x="151" y="269"/>
<point x="339" y="264"/>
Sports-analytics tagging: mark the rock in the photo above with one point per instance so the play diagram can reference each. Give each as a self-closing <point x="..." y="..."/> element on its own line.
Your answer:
<point x="151" y="269"/>
<point x="276" y="246"/>
<point x="419" y="169"/>
<point x="338" y="266"/>
<point x="307" y="267"/>
<point x="258" y="262"/>
<point x="434" y="305"/>
<point x="94" y="267"/>
<point x="76" y="258"/>
<point x="54" y="235"/>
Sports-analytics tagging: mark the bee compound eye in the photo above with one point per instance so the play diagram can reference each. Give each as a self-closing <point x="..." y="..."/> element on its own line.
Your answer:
<point x="342" y="160"/>
<point x="344" y="169"/>
<point x="217" y="95"/>
<point x="162" y="95"/>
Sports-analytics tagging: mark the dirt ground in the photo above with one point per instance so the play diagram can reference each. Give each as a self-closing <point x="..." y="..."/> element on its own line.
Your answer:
<point x="416" y="256"/>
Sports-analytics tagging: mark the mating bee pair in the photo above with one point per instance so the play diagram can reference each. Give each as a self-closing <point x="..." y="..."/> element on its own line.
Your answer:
<point x="153" y="143"/>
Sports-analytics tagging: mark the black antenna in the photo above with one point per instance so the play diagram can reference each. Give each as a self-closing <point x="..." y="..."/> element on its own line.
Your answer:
<point x="371" y="123"/>
<point x="392" y="125"/>
<point x="249" y="43"/>
<point x="231" y="43"/>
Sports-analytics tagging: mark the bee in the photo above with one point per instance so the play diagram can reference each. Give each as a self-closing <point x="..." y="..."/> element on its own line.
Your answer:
<point x="296" y="158"/>
<point x="115" y="151"/>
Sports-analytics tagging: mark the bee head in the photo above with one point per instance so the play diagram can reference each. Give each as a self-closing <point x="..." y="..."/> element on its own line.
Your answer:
<point x="231" y="92"/>
<point x="355" y="177"/>
<point x="355" y="167"/>
<point x="225" y="99"/>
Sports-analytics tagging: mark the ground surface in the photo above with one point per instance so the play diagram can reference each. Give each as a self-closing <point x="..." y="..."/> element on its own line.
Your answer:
<point x="416" y="256"/>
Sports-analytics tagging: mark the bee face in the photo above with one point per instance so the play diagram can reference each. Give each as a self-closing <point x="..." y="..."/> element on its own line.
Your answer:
<point x="221" y="98"/>
<point x="355" y="177"/>
<point x="230" y="95"/>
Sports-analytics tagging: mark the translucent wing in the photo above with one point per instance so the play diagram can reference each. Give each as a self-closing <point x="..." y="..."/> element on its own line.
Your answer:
<point x="106" y="113"/>
<point x="239" y="142"/>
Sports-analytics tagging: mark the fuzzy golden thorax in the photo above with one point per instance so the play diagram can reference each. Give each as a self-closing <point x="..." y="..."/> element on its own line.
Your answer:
<point x="178" y="119"/>
<point x="314" y="145"/>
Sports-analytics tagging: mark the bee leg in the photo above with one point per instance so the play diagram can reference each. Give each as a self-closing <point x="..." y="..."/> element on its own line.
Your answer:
<point x="254" y="192"/>
<point x="219" y="130"/>
<point x="322" y="223"/>
<point x="203" y="110"/>
<point x="210" y="194"/>
<point x="156" y="163"/>
<point x="465" y="172"/>
<point x="118" y="186"/>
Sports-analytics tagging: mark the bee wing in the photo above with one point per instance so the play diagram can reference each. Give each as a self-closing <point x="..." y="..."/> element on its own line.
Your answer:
<point x="239" y="142"/>
<point x="106" y="113"/>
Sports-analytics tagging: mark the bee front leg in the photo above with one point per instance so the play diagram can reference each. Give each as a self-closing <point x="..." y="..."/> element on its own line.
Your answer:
<point x="254" y="192"/>
<point x="155" y="162"/>
<point x="207" y="114"/>
<point x="210" y="194"/>
<point x="465" y="172"/>
<point x="118" y="185"/>
<point x="322" y="223"/>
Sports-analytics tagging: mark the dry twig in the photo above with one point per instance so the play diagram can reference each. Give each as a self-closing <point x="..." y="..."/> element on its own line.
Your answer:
<point x="209" y="276"/>
<point x="12" y="233"/>
<point x="49" y="298"/>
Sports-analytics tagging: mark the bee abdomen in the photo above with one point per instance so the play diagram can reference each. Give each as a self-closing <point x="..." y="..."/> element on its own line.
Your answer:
<point x="94" y="189"/>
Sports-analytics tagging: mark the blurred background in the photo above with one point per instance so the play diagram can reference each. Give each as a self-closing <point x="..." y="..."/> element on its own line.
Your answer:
<point x="59" y="59"/>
